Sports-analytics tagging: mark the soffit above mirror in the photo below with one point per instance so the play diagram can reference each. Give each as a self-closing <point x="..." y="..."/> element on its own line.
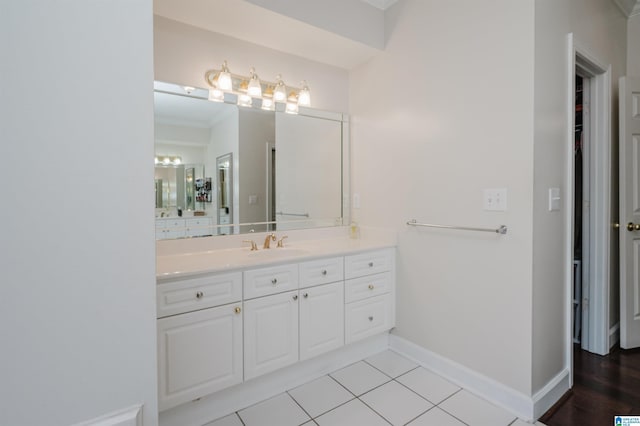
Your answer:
<point x="320" y="41"/>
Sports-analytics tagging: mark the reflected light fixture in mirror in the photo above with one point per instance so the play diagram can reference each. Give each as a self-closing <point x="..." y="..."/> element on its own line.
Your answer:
<point x="166" y="160"/>
<point x="248" y="88"/>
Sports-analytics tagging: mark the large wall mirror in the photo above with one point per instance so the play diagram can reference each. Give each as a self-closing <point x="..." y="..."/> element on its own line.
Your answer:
<point x="223" y="169"/>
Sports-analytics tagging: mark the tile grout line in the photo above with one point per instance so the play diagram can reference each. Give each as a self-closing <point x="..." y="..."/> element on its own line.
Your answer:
<point x="299" y="405"/>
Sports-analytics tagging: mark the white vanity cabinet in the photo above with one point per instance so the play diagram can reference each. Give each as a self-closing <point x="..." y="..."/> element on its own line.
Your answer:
<point x="199" y="227"/>
<point x="199" y="337"/>
<point x="170" y="229"/>
<point x="222" y="328"/>
<point x="369" y="297"/>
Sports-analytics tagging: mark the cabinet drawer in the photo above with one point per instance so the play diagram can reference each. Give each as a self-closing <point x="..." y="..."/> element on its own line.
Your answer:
<point x="365" y="287"/>
<point x="197" y="293"/>
<point x="174" y="223"/>
<point x="321" y="271"/>
<point x="373" y="262"/>
<point x="271" y="280"/>
<point x="367" y="317"/>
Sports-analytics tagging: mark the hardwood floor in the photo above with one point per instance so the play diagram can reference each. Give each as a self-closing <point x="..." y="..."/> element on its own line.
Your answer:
<point x="603" y="387"/>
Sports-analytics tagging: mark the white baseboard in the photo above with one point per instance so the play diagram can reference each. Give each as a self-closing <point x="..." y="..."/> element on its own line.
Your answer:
<point x="131" y="416"/>
<point x="229" y="400"/>
<point x="525" y="407"/>
<point x="550" y="393"/>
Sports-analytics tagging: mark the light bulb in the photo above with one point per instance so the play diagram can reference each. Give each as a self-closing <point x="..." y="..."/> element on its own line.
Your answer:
<point x="224" y="78"/>
<point x="280" y="92"/>
<point x="216" y="95"/>
<point x="244" y="100"/>
<point x="292" y="108"/>
<point x="166" y="161"/>
<point x="267" y="104"/>
<point x="254" y="89"/>
<point x="176" y="161"/>
<point x="157" y="161"/>
<point x="304" y="96"/>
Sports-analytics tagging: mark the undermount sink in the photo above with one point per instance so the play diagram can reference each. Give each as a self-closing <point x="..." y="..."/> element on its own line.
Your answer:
<point x="279" y="252"/>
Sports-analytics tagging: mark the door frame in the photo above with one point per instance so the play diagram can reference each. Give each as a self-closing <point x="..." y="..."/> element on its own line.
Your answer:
<point x="600" y="199"/>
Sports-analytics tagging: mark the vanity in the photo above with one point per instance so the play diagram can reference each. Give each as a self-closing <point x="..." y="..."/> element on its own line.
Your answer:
<point x="229" y="316"/>
<point x="238" y="322"/>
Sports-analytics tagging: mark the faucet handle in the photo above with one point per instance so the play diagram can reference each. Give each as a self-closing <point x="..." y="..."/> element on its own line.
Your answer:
<point x="281" y="241"/>
<point x="254" y="246"/>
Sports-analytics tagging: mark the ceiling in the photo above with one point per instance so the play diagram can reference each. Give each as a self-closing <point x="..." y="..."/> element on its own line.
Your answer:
<point x="259" y="25"/>
<point x="629" y="7"/>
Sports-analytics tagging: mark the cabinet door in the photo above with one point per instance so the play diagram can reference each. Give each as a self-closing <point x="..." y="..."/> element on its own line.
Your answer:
<point x="270" y="333"/>
<point x="321" y="319"/>
<point x="198" y="353"/>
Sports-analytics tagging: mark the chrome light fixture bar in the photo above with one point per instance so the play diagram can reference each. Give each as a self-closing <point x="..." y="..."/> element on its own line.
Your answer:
<point x="248" y="88"/>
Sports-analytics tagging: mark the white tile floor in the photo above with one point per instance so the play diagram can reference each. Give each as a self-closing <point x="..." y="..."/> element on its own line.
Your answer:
<point x="385" y="389"/>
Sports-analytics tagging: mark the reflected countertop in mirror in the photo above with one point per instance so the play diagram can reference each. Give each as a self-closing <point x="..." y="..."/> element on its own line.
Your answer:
<point x="284" y="171"/>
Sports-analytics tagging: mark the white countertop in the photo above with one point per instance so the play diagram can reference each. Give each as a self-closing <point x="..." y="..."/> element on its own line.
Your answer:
<point x="172" y="265"/>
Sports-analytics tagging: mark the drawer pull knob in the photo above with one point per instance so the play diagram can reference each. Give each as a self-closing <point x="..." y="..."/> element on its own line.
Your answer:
<point x="371" y="287"/>
<point x="199" y="295"/>
<point x="306" y="295"/>
<point x="274" y="281"/>
<point x="324" y="272"/>
<point x="295" y="297"/>
<point x="370" y="318"/>
<point x="237" y="310"/>
<point x="370" y="264"/>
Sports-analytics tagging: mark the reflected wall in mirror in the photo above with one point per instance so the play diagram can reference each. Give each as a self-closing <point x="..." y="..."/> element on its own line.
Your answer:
<point x="266" y="170"/>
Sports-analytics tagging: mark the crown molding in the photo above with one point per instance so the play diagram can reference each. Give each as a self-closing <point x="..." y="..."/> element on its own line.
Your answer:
<point x="629" y="7"/>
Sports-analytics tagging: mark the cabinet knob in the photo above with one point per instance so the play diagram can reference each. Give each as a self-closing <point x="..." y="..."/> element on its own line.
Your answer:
<point x="370" y="318"/>
<point x="199" y="295"/>
<point x="237" y="310"/>
<point x="274" y="281"/>
<point x="324" y="272"/>
<point x="306" y="295"/>
<point x="370" y="264"/>
<point x="371" y="287"/>
<point x="295" y="297"/>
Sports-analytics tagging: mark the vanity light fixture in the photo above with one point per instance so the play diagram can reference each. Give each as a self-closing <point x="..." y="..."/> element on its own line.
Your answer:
<point x="280" y="91"/>
<point x="166" y="160"/>
<point x="253" y="88"/>
<point x="224" y="78"/>
<point x="304" y="96"/>
<point x="248" y="88"/>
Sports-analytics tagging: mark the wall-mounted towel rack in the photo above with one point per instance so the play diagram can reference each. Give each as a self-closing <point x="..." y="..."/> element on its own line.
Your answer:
<point x="501" y="230"/>
<point x="293" y="214"/>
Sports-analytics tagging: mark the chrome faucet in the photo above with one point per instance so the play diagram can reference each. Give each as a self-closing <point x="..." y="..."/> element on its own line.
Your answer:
<point x="267" y="241"/>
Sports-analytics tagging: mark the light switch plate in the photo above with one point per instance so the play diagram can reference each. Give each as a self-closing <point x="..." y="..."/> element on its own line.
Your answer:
<point x="554" y="199"/>
<point x="495" y="199"/>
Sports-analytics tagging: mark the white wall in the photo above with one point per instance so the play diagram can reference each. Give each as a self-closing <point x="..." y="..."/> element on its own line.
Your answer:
<point x="456" y="117"/>
<point x="183" y="54"/>
<point x="550" y="147"/>
<point x="77" y="300"/>
<point x="633" y="45"/>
